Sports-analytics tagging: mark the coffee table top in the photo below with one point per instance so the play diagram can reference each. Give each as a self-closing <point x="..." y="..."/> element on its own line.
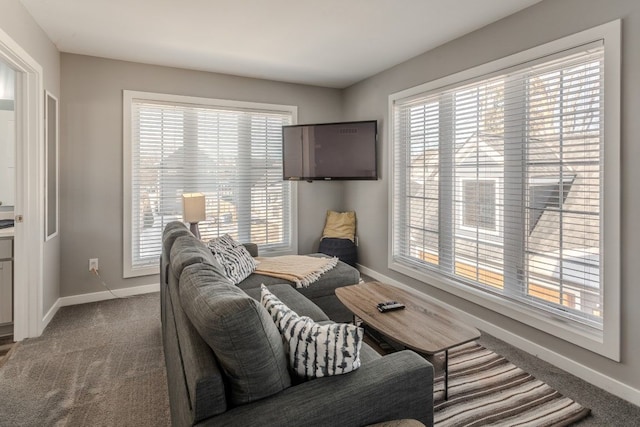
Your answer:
<point x="422" y="326"/>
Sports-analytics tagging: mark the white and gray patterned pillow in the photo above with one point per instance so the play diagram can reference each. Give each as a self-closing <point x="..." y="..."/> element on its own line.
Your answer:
<point x="314" y="350"/>
<point x="234" y="257"/>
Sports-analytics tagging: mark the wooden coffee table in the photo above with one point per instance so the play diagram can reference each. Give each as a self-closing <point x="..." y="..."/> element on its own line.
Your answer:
<point x="422" y="326"/>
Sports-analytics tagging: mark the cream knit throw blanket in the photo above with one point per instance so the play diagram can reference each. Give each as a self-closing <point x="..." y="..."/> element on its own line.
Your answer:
<point x="300" y="269"/>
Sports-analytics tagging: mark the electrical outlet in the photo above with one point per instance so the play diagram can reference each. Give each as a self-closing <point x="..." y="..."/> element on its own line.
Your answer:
<point x="93" y="264"/>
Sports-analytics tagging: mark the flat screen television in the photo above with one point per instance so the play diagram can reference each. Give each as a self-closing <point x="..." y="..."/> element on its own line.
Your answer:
<point x="330" y="151"/>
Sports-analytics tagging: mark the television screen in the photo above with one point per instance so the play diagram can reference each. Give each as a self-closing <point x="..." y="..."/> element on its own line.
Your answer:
<point x="330" y="151"/>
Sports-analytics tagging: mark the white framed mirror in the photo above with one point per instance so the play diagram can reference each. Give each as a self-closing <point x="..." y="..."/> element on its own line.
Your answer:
<point x="51" y="166"/>
<point x="7" y="141"/>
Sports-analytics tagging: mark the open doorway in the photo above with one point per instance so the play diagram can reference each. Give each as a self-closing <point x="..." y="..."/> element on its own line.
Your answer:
<point x="7" y="200"/>
<point x="28" y="212"/>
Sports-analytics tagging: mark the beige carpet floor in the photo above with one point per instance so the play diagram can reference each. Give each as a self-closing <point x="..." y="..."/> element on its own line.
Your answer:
<point x="98" y="364"/>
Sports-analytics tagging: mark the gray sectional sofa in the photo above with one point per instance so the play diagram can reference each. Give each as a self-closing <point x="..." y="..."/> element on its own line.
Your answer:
<point x="322" y="292"/>
<point x="226" y="363"/>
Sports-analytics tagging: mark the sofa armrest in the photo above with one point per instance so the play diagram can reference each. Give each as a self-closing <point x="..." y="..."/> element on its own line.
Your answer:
<point x="399" y="385"/>
<point x="252" y="248"/>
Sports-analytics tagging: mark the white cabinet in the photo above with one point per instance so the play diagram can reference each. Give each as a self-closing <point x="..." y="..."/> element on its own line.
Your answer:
<point x="6" y="281"/>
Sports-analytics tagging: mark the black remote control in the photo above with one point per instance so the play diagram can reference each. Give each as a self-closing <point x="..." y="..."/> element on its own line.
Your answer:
<point x="383" y="307"/>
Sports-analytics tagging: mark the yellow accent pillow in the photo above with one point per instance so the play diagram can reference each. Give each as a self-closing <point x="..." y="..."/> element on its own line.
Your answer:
<point x="340" y="225"/>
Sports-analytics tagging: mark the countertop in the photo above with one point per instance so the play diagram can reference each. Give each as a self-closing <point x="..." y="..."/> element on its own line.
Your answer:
<point x="7" y="232"/>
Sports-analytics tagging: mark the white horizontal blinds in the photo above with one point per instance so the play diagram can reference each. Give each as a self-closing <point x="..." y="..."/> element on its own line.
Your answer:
<point x="232" y="156"/>
<point x="157" y="139"/>
<point x="416" y="188"/>
<point x="476" y="180"/>
<point x="563" y="172"/>
<point x="270" y="198"/>
<point x="497" y="184"/>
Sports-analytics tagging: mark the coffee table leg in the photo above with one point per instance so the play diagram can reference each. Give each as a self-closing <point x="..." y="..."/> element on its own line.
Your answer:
<point x="446" y="375"/>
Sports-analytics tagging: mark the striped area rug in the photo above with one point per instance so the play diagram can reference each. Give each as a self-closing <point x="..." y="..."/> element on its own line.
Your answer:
<point x="486" y="389"/>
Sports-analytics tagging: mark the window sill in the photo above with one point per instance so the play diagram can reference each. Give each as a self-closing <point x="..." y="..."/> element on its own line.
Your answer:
<point x="572" y="332"/>
<point x="130" y="272"/>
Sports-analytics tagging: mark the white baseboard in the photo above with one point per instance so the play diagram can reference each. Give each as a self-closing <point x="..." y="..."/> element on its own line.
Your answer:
<point x="105" y="295"/>
<point x="52" y="312"/>
<point x="586" y="373"/>
<point x="96" y="296"/>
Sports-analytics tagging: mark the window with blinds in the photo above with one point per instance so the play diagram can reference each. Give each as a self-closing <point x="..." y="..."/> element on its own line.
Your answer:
<point x="231" y="152"/>
<point x="498" y="183"/>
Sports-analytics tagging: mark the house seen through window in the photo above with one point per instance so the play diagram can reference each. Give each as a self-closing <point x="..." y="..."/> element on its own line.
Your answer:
<point x="231" y="155"/>
<point x="479" y="204"/>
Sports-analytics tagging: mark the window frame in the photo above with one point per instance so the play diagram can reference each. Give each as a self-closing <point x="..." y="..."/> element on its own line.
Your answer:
<point x="607" y="341"/>
<point x="129" y="96"/>
<point x="462" y="208"/>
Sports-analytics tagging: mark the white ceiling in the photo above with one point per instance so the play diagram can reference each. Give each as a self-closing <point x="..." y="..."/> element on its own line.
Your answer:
<point x="332" y="43"/>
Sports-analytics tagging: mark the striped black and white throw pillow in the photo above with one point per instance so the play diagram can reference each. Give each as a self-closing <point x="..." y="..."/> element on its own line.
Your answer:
<point x="314" y="350"/>
<point x="234" y="257"/>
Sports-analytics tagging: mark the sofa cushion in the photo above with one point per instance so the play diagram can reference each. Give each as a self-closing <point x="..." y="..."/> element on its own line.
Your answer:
<point x="293" y="299"/>
<point x="198" y="368"/>
<point x="233" y="256"/>
<point x="341" y="275"/>
<point x="188" y="250"/>
<point x="315" y="350"/>
<point x="321" y="292"/>
<point x="240" y="332"/>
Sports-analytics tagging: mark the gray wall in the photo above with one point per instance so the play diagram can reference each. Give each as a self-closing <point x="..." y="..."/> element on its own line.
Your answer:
<point x="314" y="200"/>
<point x="541" y="23"/>
<point x="91" y="155"/>
<point x="20" y="26"/>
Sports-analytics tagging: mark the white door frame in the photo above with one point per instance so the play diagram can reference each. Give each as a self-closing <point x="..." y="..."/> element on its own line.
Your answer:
<point x="29" y="235"/>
